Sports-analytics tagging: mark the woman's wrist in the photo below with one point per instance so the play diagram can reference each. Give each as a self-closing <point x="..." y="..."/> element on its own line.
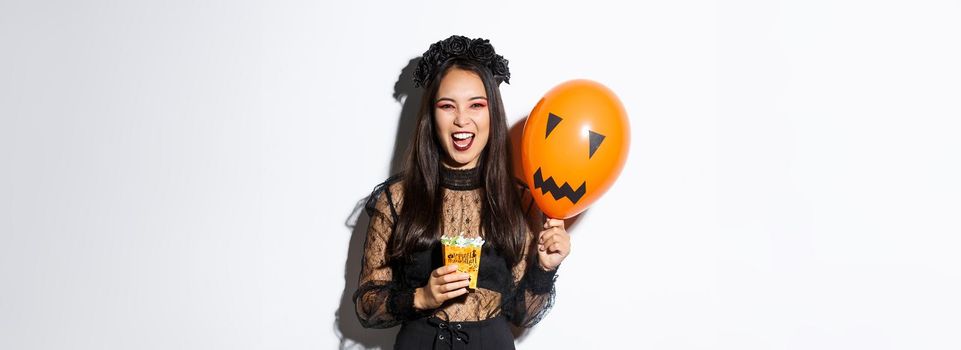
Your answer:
<point x="419" y="299"/>
<point x="546" y="269"/>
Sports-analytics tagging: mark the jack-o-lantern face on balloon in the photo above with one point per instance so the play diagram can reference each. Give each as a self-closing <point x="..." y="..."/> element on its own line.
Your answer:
<point x="574" y="146"/>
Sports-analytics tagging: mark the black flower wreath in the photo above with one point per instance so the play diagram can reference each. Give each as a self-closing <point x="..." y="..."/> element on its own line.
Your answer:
<point x="479" y="50"/>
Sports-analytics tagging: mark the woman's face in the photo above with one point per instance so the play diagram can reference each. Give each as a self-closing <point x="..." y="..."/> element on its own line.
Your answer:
<point x="461" y="118"/>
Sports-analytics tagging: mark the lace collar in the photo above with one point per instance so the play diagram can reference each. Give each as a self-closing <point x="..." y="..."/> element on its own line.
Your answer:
<point x="461" y="180"/>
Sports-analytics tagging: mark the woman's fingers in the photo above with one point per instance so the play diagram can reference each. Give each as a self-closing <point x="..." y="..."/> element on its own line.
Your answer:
<point x="541" y="243"/>
<point x="555" y="230"/>
<point x="549" y="236"/>
<point x="455" y="293"/>
<point x="553" y="223"/>
<point x="555" y="247"/>
<point x="549" y="241"/>
<point x="446" y="283"/>
<point x="444" y="288"/>
<point x="552" y="240"/>
<point x="544" y="236"/>
<point x="451" y="286"/>
<point x="454" y="277"/>
<point x="444" y="270"/>
<point x="553" y="244"/>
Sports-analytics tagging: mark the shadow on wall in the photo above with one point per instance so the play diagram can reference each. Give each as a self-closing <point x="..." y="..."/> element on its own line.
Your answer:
<point x="352" y="334"/>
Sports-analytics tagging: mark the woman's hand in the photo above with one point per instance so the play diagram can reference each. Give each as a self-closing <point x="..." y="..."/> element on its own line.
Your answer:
<point x="553" y="244"/>
<point x="445" y="283"/>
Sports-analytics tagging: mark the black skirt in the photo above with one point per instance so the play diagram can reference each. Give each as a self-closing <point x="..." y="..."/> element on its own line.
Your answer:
<point x="435" y="333"/>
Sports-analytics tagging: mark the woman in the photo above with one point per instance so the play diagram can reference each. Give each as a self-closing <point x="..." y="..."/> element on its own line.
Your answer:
<point x="458" y="181"/>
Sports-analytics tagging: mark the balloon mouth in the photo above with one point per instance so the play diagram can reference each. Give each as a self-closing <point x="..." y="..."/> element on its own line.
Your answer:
<point x="563" y="191"/>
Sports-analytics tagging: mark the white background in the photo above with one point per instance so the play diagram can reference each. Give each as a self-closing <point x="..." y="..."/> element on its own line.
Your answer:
<point x="186" y="174"/>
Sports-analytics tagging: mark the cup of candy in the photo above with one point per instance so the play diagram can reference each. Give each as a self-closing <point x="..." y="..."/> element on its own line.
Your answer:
<point x="465" y="252"/>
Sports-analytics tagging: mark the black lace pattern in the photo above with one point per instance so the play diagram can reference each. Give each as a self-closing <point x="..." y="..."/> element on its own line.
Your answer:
<point x="523" y="293"/>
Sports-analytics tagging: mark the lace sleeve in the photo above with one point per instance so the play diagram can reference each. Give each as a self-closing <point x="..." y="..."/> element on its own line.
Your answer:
<point x="381" y="301"/>
<point x="533" y="292"/>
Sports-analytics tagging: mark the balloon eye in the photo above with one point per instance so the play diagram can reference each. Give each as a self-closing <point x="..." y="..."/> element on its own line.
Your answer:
<point x="552" y="121"/>
<point x="596" y="140"/>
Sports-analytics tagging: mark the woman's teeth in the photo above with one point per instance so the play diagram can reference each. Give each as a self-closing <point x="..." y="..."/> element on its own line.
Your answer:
<point x="463" y="140"/>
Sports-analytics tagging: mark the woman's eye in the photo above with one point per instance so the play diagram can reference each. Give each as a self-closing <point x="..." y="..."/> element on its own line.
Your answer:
<point x="445" y="106"/>
<point x="478" y="105"/>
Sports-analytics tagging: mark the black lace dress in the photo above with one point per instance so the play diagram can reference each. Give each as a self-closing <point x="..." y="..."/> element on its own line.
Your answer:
<point x="520" y="295"/>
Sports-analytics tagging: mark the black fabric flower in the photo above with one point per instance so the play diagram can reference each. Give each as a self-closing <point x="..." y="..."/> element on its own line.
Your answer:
<point x="481" y="50"/>
<point x="478" y="50"/>
<point x="435" y="55"/>
<point x="500" y="70"/>
<point x="456" y="45"/>
<point x="422" y="73"/>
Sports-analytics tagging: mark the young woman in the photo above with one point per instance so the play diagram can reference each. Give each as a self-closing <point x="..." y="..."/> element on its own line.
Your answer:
<point x="458" y="181"/>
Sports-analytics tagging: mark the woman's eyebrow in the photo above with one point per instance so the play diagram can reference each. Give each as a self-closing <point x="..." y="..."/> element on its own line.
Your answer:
<point x="452" y="100"/>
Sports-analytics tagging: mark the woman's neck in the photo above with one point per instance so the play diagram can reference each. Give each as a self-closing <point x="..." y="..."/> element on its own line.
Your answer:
<point x="460" y="179"/>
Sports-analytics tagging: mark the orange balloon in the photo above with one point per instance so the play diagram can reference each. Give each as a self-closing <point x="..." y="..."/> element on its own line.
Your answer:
<point x="574" y="146"/>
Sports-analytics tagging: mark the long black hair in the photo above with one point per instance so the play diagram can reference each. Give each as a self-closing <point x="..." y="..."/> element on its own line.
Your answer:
<point x="502" y="220"/>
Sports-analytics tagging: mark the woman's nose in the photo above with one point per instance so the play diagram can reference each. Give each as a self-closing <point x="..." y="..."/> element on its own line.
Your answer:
<point x="460" y="119"/>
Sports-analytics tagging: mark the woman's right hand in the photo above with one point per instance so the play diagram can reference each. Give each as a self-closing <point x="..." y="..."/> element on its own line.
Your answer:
<point x="445" y="283"/>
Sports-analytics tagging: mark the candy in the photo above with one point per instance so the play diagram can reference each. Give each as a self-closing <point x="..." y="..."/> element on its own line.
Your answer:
<point x="465" y="252"/>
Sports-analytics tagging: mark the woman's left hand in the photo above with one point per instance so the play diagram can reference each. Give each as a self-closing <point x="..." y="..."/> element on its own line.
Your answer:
<point x="553" y="244"/>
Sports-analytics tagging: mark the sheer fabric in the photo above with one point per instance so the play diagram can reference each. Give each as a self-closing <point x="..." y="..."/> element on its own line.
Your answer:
<point x="523" y="293"/>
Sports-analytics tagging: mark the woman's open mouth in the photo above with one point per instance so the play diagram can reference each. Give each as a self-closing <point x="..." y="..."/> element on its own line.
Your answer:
<point x="462" y="140"/>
